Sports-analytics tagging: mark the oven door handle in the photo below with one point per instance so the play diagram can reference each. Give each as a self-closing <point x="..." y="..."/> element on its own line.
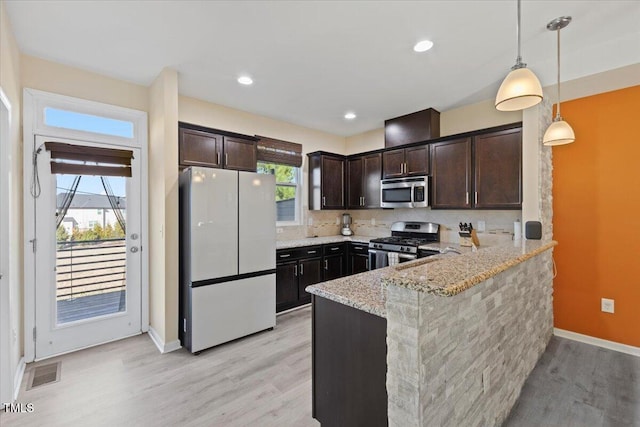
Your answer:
<point x="400" y="255"/>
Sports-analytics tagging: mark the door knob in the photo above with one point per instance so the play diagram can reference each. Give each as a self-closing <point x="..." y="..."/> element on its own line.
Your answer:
<point x="134" y="249"/>
<point x="134" y="236"/>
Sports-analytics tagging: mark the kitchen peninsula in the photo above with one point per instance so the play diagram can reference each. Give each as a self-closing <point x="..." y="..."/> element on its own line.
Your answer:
<point x="444" y="340"/>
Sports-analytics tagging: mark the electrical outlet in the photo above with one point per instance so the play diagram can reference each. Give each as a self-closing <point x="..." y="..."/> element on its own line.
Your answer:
<point x="481" y="226"/>
<point x="373" y="222"/>
<point x="607" y="305"/>
<point x="338" y="221"/>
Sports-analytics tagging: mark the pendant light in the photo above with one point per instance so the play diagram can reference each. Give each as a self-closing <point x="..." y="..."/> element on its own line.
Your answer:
<point x="559" y="132"/>
<point x="521" y="88"/>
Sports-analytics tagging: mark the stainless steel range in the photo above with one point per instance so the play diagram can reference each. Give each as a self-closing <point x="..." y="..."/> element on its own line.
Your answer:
<point x="403" y="243"/>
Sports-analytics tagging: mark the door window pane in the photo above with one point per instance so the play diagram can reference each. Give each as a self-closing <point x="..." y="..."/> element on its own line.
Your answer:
<point x="90" y="248"/>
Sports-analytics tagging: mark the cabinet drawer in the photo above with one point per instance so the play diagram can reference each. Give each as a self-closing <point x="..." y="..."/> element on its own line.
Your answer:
<point x="359" y="248"/>
<point x="284" y="255"/>
<point x="333" y="249"/>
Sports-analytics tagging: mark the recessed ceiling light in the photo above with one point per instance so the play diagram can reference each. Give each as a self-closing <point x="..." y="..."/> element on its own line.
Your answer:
<point x="350" y="116"/>
<point x="245" y="80"/>
<point x="423" y="46"/>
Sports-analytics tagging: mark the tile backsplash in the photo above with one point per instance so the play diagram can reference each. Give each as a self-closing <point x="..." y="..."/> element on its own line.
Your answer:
<point x="377" y="223"/>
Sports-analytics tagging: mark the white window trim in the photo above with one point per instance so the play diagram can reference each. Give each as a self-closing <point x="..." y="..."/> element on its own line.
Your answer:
<point x="33" y="124"/>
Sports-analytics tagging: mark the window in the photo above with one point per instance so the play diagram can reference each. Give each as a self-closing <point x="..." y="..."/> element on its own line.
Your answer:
<point x="287" y="190"/>
<point x="86" y="122"/>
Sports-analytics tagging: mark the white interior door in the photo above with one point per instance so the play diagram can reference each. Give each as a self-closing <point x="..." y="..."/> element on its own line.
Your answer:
<point x="88" y="269"/>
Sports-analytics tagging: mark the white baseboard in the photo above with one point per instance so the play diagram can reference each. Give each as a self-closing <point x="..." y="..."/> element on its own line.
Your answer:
<point x="162" y="346"/>
<point x="622" y="348"/>
<point x="17" y="379"/>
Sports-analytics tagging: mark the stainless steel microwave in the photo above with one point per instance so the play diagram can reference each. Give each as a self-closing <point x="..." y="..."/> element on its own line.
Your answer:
<point x="405" y="192"/>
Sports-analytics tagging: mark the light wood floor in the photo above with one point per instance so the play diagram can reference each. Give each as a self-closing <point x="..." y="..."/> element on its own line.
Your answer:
<point x="265" y="380"/>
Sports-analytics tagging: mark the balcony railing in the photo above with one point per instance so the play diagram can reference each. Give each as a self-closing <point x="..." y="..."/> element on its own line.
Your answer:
<point x="90" y="267"/>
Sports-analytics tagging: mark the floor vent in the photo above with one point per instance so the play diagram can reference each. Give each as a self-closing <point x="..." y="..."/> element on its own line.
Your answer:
<point x="44" y="374"/>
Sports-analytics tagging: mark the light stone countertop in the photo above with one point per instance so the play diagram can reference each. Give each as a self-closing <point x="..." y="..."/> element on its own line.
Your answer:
<point x="442" y="275"/>
<point x="310" y="241"/>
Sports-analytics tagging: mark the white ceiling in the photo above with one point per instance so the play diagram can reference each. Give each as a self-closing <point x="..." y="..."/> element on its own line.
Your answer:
<point x="312" y="61"/>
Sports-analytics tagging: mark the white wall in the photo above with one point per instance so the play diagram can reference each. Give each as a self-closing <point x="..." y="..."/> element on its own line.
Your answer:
<point x="12" y="282"/>
<point x="163" y="209"/>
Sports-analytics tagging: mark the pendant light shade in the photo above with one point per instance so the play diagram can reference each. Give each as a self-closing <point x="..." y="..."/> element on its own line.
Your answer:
<point x="559" y="132"/>
<point x="521" y="88"/>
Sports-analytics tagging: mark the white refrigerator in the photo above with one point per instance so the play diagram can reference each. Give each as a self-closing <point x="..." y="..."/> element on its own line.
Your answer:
<point x="227" y="255"/>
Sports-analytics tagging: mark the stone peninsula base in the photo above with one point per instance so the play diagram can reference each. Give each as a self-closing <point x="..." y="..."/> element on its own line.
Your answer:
<point x="462" y="360"/>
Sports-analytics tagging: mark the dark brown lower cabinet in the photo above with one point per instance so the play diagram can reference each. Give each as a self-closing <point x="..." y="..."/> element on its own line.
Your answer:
<point x="310" y="272"/>
<point x="334" y="267"/>
<point x="287" y="284"/>
<point x="358" y="258"/>
<point x="349" y="368"/>
<point x="297" y="268"/>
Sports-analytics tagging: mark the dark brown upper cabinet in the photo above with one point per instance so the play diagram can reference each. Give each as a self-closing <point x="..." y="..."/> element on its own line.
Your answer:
<point x="410" y="128"/>
<point x="483" y="171"/>
<point x="199" y="148"/>
<point x="207" y="147"/>
<point x="451" y="174"/>
<point x="363" y="181"/>
<point x="326" y="181"/>
<point x="240" y="154"/>
<point x="411" y="161"/>
<point x="498" y="170"/>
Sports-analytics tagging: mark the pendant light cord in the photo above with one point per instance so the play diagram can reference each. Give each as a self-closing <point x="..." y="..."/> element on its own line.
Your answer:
<point x="519" y="58"/>
<point x="558" y="117"/>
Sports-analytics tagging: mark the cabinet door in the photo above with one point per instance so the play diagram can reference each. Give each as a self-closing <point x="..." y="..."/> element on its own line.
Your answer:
<point x="416" y="160"/>
<point x="451" y="174"/>
<point x="354" y="183"/>
<point x="199" y="148"/>
<point x="240" y="154"/>
<point x="309" y="272"/>
<point x="359" y="263"/>
<point x="333" y="267"/>
<point x="372" y="173"/>
<point x="393" y="163"/>
<point x="498" y="170"/>
<point x="358" y="258"/>
<point x="332" y="171"/>
<point x="286" y="284"/>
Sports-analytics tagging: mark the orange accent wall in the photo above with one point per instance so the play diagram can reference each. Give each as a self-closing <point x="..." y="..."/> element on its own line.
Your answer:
<point x="596" y="217"/>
